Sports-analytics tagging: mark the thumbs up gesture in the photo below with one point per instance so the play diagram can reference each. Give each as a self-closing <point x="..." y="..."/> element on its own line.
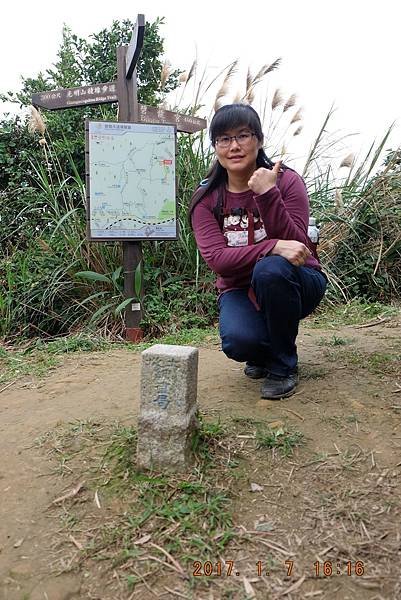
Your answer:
<point x="263" y="179"/>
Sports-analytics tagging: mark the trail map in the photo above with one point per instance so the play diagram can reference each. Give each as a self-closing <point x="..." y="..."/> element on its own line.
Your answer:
<point x="131" y="181"/>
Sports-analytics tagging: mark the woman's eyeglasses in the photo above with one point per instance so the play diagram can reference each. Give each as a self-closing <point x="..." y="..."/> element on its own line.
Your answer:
<point x="242" y="139"/>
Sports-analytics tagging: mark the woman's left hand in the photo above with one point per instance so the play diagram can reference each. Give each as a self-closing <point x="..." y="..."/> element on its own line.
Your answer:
<point x="263" y="179"/>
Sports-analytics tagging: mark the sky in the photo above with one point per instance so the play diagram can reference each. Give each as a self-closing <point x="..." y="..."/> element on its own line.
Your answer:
<point x="343" y="53"/>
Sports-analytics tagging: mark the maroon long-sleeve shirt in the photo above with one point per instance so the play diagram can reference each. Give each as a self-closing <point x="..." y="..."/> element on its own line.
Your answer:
<point x="284" y="210"/>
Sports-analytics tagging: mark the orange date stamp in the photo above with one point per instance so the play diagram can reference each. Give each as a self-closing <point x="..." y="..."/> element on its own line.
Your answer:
<point x="327" y="568"/>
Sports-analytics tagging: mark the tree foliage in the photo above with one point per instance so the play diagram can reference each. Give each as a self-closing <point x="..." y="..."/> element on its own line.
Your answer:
<point x="79" y="62"/>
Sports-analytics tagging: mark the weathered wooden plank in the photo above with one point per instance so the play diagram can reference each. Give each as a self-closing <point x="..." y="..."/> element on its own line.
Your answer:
<point x="86" y="95"/>
<point x="185" y="123"/>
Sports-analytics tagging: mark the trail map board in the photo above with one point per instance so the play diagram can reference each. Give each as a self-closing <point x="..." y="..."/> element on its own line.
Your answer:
<point x="131" y="192"/>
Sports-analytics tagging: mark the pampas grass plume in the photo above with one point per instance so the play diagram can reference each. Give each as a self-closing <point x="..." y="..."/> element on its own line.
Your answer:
<point x="250" y="95"/>
<point x="297" y="116"/>
<point x="348" y="161"/>
<point x="36" y="122"/>
<point x="225" y="85"/>
<point x="191" y="71"/>
<point x="277" y="99"/>
<point x="166" y="70"/>
<point x="237" y="97"/>
<point x="290" y="102"/>
<point x="338" y="201"/>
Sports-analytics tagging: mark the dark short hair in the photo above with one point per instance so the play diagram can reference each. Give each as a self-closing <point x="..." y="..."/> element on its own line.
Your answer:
<point x="232" y="116"/>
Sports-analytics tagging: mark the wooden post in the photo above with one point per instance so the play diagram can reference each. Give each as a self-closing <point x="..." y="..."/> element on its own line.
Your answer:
<point x="132" y="251"/>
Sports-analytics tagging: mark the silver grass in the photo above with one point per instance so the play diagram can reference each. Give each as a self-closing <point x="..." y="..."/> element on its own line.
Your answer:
<point x="338" y="201"/>
<point x="290" y="102"/>
<point x="277" y="99"/>
<point x="165" y="73"/>
<point x="348" y="161"/>
<point x="250" y="95"/>
<point x="237" y="97"/>
<point x="191" y="71"/>
<point x="36" y="122"/>
<point x="225" y="85"/>
<point x="297" y="116"/>
<point x="248" y="79"/>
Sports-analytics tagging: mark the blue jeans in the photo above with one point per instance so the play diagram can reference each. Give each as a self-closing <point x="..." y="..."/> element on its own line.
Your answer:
<point x="266" y="337"/>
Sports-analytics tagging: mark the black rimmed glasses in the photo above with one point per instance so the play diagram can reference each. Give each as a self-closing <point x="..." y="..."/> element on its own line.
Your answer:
<point x="242" y="139"/>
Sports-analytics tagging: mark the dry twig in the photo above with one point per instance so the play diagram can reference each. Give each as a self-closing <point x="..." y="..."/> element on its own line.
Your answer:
<point x="378" y="321"/>
<point x="71" y="494"/>
<point x="8" y="385"/>
<point x="294" y="587"/>
<point x="171" y="559"/>
<point x="293" y="412"/>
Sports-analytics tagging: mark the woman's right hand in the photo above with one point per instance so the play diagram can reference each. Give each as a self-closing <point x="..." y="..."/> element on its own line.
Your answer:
<point x="295" y="252"/>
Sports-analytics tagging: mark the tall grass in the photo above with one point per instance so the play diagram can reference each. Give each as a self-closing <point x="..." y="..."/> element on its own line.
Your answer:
<point x="59" y="281"/>
<point x="42" y="289"/>
<point x="360" y="219"/>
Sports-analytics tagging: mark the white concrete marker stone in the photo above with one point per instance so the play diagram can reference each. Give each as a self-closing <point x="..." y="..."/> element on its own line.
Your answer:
<point x="167" y="420"/>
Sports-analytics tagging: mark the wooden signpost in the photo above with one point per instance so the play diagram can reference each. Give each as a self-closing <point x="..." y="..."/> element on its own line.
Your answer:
<point x="123" y="91"/>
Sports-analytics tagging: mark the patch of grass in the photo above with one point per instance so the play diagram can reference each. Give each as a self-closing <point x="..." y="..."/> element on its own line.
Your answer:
<point x="333" y="420"/>
<point x="194" y="337"/>
<point x="207" y="438"/>
<point x="40" y="357"/>
<point x="377" y="363"/>
<point x="309" y="372"/>
<point x="121" y="454"/>
<point x="72" y="343"/>
<point x="65" y="442"/>
<point x="189" y="516"/>
<point x="194" y="507"/>
<point x="211" y="430"/>
<point x="355" y="312"/>
<point x="384" y="363"/>
<point x="17" y="364"/>
<point x="351" y="459"/>
<point x="319" y="457"/>
<point x="334" y="341"/>
<point x="69" y="520"/>
<point x="282" y="438"/>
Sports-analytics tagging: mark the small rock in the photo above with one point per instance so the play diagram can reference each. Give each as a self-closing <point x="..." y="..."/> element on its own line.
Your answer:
<point x="264" y="526"/>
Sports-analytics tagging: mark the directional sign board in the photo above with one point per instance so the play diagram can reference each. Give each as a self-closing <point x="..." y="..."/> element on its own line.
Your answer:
<point x="187" y="123"/>
<point x="103" y="93"/>
<point x="131" y="189"/>
<point x="86" y="95"/>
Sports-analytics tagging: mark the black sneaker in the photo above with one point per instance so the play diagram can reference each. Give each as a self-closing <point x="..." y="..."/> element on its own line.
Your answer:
<point x="275" y="387"/>
<point x="255" y="371"/>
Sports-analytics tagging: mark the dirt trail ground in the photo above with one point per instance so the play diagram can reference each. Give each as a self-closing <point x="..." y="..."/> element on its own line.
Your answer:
<point x="336" y="499"/>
